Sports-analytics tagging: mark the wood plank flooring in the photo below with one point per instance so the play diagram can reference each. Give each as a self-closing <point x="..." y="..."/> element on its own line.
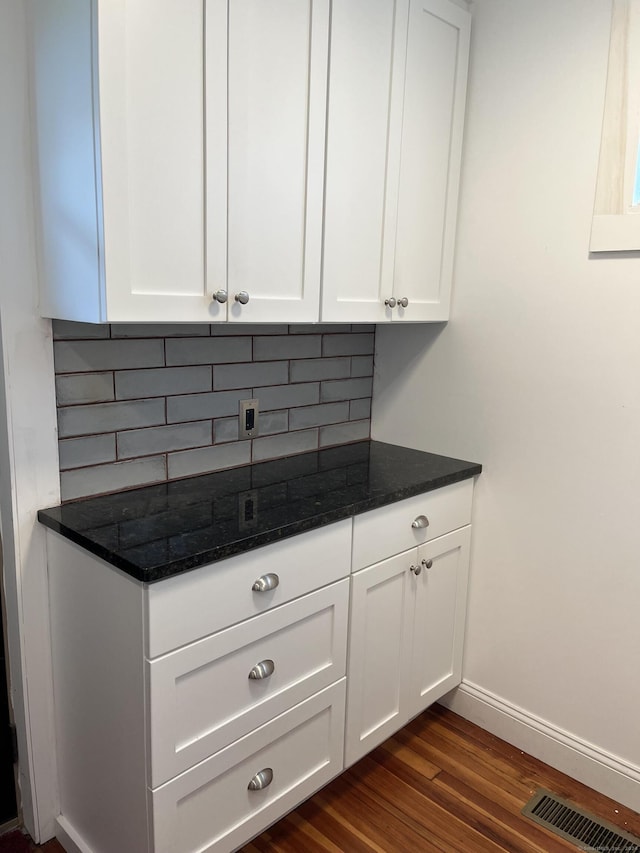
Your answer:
<point x="440" y="785"/>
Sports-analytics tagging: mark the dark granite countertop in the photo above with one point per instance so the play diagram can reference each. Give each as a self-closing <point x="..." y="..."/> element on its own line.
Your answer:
<point x="158" y="531"/>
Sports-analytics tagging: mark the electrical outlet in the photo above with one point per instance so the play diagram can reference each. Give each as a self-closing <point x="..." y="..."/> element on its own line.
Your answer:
<point x="248" y="426"/>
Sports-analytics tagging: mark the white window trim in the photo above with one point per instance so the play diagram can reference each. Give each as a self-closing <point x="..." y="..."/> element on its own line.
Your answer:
<point x="616" y="222"/>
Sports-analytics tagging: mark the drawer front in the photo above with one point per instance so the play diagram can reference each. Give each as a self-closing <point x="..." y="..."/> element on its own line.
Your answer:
<point x="383" y="532"/>
<point x="201" y="696"/>
<point x="210" y="808"/>
<point x="198" y="603"/>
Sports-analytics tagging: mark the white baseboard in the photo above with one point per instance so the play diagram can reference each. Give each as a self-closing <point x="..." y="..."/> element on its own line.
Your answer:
<point x="577" y="758"/>
<point x="69" y="838"/>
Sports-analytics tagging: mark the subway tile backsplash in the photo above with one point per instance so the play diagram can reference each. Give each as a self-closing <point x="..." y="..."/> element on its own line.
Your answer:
<point x="146" y="403"/>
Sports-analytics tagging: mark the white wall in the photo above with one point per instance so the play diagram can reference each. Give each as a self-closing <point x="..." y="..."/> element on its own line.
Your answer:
<point x="537" y="376"/>
<point x="28" y="447"/>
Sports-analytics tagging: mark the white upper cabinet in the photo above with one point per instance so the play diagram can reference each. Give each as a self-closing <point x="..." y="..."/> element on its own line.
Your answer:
<point x="207" y="160"/>
<point x="181" y="155"/>
<point x="266" y="109"/>
<point x="397" y="90"/>
<point x="119" y="92"/>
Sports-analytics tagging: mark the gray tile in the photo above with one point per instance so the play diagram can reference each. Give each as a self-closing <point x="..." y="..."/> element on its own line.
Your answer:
<point x="68" y="329"/>
<point x="343" y="433"/>
<point x="311" y="416"/>
<point x="189" y="462"/>
<point x="345" y="389"/>
<point x="360" y="409"/>
<point x="362" y="365"/>
<point x="208" y="350"/>
<point x="109" y="417"/>
<point x="226" y="429"/>
<point x="111" y="478"/>
<point x="162" y="381"/>
<point x="318" y="328"/>
<point x="348" y="344"/>
<point x="73" y="388"/>
<point x="159" y="330"/>
<point x="274" y="422"/>
<point x="195" y="407"/>
<point x="76" y="452"/>
<point x="320" y="368"/>
<point x="286" y="346"/>
<point x="162" y="439"/>
<point x="77" y="356"/>
<point x="250" y="375"/>
<point x="284" y="445"/>
<point x="286" y="396"/>
<point x="226" y="329"/>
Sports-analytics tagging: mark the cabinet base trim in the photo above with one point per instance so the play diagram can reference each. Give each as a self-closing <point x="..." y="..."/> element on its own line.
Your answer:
<point x="69" y="838"/>
<point x="568" y="753"/>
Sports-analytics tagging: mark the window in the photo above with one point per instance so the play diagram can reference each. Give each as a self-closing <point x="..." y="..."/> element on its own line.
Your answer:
<point x="616" y="215"/>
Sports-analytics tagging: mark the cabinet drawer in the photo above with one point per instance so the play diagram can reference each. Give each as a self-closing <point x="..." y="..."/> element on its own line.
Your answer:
<point x="201" y="696"/>
<point x="193" y="605"/>
<point x="210" y="808"/>
<point x="383" y="532"/>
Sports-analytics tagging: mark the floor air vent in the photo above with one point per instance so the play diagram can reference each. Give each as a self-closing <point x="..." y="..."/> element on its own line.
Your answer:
<point x="584" y="830"/>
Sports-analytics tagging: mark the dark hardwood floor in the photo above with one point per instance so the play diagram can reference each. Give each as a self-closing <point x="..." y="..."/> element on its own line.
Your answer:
<point x="441" y="784"/>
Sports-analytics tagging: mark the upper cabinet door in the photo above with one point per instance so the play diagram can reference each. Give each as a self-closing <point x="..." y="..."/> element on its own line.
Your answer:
<point x="118" y="93"/>
<point x="395" y="118"/>
<point x="368" y="46"/>
<point x="151" y="89"/>
<point x="266" y="111"/>
<point x="433" y="119"/>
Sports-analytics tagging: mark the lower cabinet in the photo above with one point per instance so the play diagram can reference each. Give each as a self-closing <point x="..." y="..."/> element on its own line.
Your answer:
<point x="407" y="630"/>
<point x="224" y="801"/>
<point x="212" y="692"/>
<point x="194" y="712"/>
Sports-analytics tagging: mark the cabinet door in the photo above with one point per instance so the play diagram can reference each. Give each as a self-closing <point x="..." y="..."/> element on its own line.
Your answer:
<point x="364" y="124"/>
<point x="382" y="600"/>
<point x="266" y="107"/>
<point x="433" y="118"/>
<point x="394" y="139"/>
<point x="118" y="94"/>
<point x="150" y="60"/>
<point x="439" y="618"/>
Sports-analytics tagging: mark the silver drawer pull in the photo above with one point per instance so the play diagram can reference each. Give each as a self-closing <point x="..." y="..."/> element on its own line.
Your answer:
<point x="420" y="521"/>
<point x="427" y="563"/>
<point x="261" y="780"/>
<point x="262" y="670"/>
<point x="266" y="582"/>
<point x="416" y="570"/>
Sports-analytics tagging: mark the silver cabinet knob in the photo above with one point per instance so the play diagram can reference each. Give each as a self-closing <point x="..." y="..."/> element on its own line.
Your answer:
<point x="419" y="522"/>
<point x="220" y="296"/>
<point x="266" y="582"/>
<point x="262" y="670"/>
<point x="242" y="297"/>
<point x="390" y="303"/>
<point x="427" y="563"/>
<point x="403" y="302"/>
<point x="416" y="570"/>
<point x="261" y="780"/>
